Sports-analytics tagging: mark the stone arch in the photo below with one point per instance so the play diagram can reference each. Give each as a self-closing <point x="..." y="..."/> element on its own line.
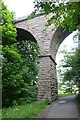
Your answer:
<point x="24" y="35"/>
<point x="57" y="38"/>
<point x="47" y="42"/>
<point x="36" y="26"/>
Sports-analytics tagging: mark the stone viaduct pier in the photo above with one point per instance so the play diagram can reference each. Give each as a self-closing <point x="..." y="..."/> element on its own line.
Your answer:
<point x="47" y="41"/>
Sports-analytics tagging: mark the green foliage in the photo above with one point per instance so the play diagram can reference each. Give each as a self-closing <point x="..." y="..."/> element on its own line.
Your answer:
<point x="11" y="58"/>
<point x="61" y="95"/>
<point x="78" y="98"/>
<point x="6" y="24"/>
<point x="65" y="14"/>
<point x="19" y="68"/>
<point x="71" y="67"/>
<point x="47" y="101"/>
<point x="12" y="80"/>
<point x="0" y="55"/>
<point x="19" y="74"/>
<point x="24" y="111"/>
<point x="28" y="95"/>
<point x="30" y="52"/>
<point x="33" y="15"/>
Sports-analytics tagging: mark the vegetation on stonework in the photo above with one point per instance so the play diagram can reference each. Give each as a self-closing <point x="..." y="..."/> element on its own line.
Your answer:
<point x="33" y="15"/>
<point x="19" y="67"/>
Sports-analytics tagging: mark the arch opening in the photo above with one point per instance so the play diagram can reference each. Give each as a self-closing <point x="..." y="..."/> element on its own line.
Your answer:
<point x="66" y="48"/>
<point x="24" y="35"/>
<point x="58" y="37"/>
<point x="29" y="50"/>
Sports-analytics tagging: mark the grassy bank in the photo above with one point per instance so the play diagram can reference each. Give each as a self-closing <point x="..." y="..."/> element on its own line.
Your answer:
<point x="24" y="111"/>
<point x="64" y="94"/>
<point x="0" y="114"/>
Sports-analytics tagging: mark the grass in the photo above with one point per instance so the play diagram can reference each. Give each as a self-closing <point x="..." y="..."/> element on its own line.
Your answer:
<point x="64" y="94"/>
<point x="0" y="114"/>
<point x="24" y="111"/>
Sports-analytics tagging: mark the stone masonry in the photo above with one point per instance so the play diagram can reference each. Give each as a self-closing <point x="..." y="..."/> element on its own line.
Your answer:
<point x="47" y="42"/>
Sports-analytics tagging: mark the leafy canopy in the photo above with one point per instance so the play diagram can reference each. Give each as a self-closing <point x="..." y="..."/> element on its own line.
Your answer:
<point x="7" y="26"/>
<point x="19" y="67"/>
<point x="65" y="14"/>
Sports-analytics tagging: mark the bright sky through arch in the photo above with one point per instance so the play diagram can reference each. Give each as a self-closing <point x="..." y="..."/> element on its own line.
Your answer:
<point x="67" y="45"/>
<point x="20" y="7"/>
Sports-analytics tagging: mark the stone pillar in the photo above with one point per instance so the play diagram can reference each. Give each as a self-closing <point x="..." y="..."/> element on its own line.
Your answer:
<point x="53" y="78"/>
<point x="47" y="83"/>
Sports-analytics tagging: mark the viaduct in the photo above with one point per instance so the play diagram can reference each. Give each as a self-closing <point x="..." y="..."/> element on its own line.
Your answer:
<point x="47" y="41"/>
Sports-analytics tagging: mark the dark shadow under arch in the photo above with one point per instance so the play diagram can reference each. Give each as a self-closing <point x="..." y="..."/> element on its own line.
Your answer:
<point x="24" y="35"/>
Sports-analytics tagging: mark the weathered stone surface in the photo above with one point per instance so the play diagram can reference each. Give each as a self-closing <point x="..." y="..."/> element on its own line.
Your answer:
<point x="48" y="41"/>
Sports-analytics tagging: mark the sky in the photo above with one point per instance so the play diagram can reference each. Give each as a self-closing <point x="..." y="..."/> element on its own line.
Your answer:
<point x="67" y="45"/>
<point x="21" y="7"/>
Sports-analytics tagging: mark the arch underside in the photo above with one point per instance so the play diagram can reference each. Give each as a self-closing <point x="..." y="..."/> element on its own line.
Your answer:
<point x="57" y="39"/>
<point x="24" y="35"/>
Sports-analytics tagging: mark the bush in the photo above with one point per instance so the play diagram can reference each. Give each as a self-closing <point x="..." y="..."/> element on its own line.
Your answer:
<point x="78" y="98"/>
<point x="47" y="101"/>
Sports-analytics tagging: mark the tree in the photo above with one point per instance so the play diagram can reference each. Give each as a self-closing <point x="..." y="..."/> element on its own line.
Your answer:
<point x="30" y="52"/>
<point x="65" y="14"/>
<point x="19" y="68"/>
<point x="7" y="26"/>
<point x="71" y="66"/>
<point x="12" y="80"/>
<point x="12" y="60"/>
